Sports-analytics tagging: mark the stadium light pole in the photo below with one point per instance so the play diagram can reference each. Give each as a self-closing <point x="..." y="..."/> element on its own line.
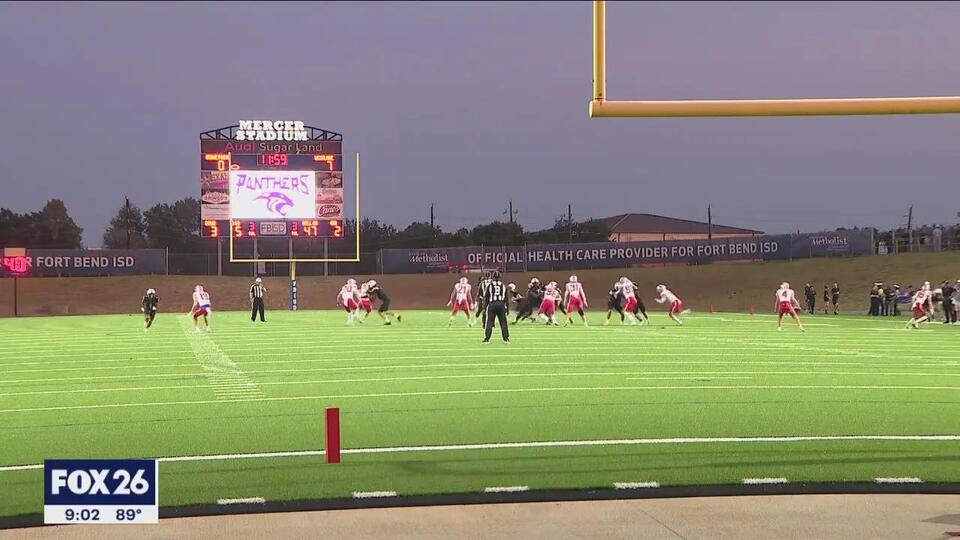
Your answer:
<point x="601" y="107"/>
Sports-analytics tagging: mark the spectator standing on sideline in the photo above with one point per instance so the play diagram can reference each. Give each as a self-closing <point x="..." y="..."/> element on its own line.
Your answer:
<point x="257" y="290"/>
<point x="826" y="299"/>
<point x="875" y="300"/>
<point x="949" y="307"/>
<point x="881" y="295"/>
<point x="810" y="294"/>
<point x="835" y="298"/>
<point x="890" y="301"/>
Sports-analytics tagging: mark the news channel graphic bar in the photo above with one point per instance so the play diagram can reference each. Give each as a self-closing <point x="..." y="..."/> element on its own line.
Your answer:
<point x="255" y="228"/>
<point x="101" y="491"/>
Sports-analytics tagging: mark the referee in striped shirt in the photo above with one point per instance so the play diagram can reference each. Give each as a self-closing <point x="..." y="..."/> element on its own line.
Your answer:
<point x="495" y="298"/>
<point x="257" y="290"/>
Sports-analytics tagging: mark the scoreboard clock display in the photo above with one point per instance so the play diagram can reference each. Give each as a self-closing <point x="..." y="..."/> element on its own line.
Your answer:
<point x="263" y="183"/>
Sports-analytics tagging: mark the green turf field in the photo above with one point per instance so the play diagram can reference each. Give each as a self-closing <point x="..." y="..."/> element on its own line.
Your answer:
<point x="99" y="387"/>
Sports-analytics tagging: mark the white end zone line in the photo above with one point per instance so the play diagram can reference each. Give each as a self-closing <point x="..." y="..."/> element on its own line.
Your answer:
<point x="536" y="444"/>
<point x="248" y="500"/>
<point x="506" y="489"/>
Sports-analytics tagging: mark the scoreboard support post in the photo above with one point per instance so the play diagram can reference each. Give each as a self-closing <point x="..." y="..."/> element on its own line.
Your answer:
<point x="293" y="285"/>
<point x="219" y="256"/>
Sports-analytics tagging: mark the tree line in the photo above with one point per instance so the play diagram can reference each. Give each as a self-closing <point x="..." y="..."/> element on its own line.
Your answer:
<point x="176" y="226"/>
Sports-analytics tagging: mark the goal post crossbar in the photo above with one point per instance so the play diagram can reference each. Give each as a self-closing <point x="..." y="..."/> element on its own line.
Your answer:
<point x="601" y="107"/>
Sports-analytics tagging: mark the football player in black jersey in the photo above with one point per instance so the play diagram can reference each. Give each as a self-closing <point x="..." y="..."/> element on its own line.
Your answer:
<point x="375" y="291"/>
<point x="531" y="302"/>
<point x="614" y="298"/>
<point x="148" y="305"/>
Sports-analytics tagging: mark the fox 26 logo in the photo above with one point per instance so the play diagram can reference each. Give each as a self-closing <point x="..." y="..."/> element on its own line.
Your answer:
<point x="106" y="491"/>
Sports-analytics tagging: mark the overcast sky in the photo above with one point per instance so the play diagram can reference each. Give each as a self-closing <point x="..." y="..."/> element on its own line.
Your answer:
<point x="471" y="104"/>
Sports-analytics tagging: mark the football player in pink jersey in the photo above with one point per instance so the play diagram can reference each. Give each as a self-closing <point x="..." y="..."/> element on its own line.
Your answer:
<point x="200" y="308"/>
<point x="922" y="306"/>
<point x="676" y="305"/>
<point x="548" y="306"/>
<point x="787" y="304"/>
<point x="349" y="299"/>
<point x="575" y="299"/>
<point x="461" y="298"/>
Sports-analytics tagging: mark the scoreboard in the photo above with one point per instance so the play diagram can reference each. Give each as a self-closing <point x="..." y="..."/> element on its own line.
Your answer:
<point x="271" y="178"/>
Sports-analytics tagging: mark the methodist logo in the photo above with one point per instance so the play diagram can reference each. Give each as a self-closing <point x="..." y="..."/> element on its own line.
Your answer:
<point x="100" y="491"/>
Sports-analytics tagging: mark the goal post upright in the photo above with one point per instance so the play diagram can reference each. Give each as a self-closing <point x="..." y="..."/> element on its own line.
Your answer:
<point x="601" y="107"/>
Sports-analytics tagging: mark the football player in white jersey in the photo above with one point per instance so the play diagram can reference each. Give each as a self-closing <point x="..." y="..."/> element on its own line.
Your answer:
<point x="576" y="299"/>
<point x="787" y="304"/>
<point x="922" y="306"/>
<point x="201" y="308"/>
<point x="548" y="306"/>
<point x="676" y="305"/>
<point x="628" y="290"/>
<point x="461" y="299"/>
<point x="349" y="299"/>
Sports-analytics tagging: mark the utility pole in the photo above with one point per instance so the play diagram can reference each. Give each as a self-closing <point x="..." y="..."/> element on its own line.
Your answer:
<point x="709" y="224"/>
<point x="511" y="212"/>
<point x="910" y="230"/>
<point x="570" y="222"/>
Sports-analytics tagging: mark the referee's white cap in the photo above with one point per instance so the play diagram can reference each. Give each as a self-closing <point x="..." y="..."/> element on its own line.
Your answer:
<point x="258" y="280"/>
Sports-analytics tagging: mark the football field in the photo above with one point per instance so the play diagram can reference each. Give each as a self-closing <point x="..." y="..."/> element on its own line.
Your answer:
<point x="426" y="409"/>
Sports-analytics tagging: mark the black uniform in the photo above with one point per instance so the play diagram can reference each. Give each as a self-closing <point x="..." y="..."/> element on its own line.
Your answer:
<point x="826" y="299"/>
<point x="532" y="301"/>
<point x="257" y="290"/>
<point x="641" y="307"/>
<point x="377" y="292"/>
<point x="149" y="304"/>
<point x="875" y="300"/>
<point x="495" y="298"/>
<point x="811" y="295"/>
<point x="949" y="309"/>
<point x="835" y="298"/>
<point x="614" y="297"/>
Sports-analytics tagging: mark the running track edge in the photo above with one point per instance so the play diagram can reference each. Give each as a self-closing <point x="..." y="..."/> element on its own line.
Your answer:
<point x="546" y="495"/>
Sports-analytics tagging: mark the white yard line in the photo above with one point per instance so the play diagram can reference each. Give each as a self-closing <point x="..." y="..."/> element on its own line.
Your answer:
<point x="248" y="500"/>
<point x="332" y="397"/>
<point x="635" y="485"/>
<point x="757" y="481"/>
<point x="542" y="444"/>
<point x="900" y="480"/>
<point x="653" y="376"/>
<point x="506" y="489"/>
<point x="373" y="494"/>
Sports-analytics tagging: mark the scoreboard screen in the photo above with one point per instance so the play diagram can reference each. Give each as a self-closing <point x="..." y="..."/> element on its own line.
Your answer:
<point x="264" y="181"/>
